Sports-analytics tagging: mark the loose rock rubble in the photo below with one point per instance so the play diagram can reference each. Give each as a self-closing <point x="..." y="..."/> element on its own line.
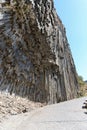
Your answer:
<point x="13" y="105"/>
<point x="85" y="105"/>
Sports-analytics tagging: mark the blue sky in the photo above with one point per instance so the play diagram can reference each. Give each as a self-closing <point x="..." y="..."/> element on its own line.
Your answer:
<point x="73" y="14"/>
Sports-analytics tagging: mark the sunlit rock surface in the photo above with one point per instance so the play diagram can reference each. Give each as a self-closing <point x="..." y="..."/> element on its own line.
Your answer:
<point x="35" y="58"/>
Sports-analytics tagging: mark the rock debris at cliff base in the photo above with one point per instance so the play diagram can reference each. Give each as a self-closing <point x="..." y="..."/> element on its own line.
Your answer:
<point x="35" y="57"/>
<point x="14" y="105"/>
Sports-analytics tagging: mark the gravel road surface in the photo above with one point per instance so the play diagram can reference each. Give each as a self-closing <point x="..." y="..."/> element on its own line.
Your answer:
<point x="63" y="116"/>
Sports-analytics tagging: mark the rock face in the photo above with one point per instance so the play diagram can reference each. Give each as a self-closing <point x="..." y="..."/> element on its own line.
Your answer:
<point x="35" y="58"/>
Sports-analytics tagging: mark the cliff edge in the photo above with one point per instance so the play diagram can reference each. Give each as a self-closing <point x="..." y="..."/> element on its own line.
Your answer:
<point x="35" y="57"/>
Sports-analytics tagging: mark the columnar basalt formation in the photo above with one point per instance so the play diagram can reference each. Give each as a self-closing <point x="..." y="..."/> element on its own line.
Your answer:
<point x="35" y="58"/>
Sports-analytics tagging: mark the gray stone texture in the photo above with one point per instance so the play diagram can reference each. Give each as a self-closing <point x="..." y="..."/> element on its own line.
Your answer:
<point x="35" y="57"/>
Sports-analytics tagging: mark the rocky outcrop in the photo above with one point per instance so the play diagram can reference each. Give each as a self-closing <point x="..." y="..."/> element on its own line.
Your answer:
<point x="35" y="57"/>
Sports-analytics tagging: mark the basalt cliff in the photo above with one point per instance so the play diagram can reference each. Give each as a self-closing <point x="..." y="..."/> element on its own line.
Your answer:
<point x="35" y="57"/>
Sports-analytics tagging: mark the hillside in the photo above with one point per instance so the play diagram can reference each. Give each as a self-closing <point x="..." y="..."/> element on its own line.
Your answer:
<point x="83" y="89"/>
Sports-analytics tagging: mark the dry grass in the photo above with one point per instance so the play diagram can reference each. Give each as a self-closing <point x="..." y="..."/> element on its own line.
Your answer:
<point x="83" y="90"/>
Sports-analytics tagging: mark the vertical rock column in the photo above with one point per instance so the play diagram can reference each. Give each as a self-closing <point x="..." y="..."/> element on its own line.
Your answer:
<point x="35" y="58"/>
